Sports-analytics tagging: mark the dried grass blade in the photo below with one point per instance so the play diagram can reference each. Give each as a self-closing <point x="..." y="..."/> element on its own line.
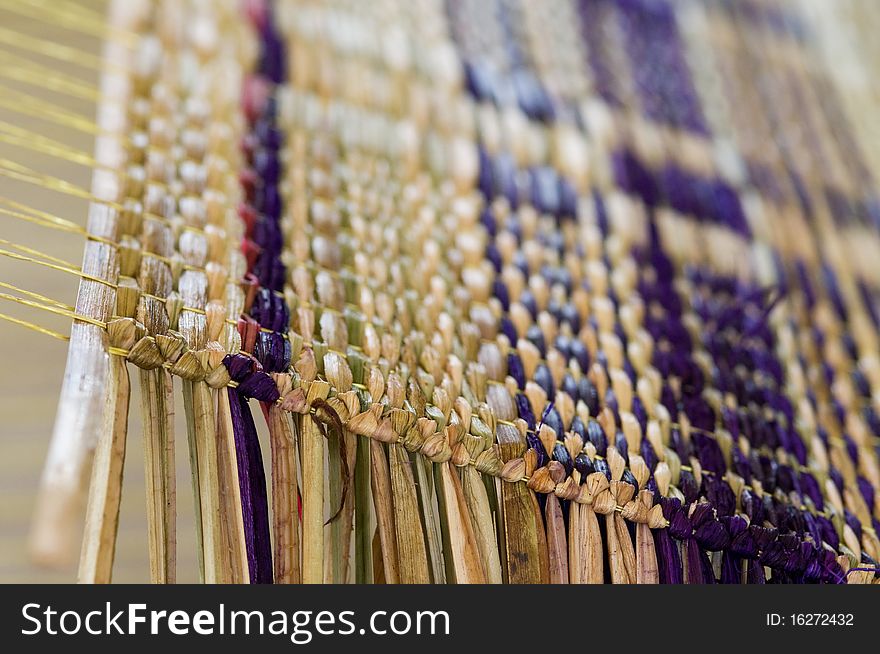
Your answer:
<point x="378" y="563"/>
<point x="209" y="481"/>
<point x="312" y="462"/>
<point x="621" y="555"/>
<point x="647" y="570"/>
<point x="232" y="521"/>
<point x="483" y="524"/>
<point x="189" y="411"/>
<point x="525" y="542"/>
<point x="285" y="510"/>
<point x="169" y="470"/>
<point x="556" y="541"/>
<point x="382" y="501"/>
<point x="158" y="443"/>
<point x="463" y="565"/>
<point x="105" y="490"/>
<point x="576" y="543"/>
<point x="593" y="556"/>
<point x="362" y="513"/>
<point x="412" y="555"/>
<point x="618" y="570"/>
<point x="342" y="527"/>
<point x="429" y="507"/>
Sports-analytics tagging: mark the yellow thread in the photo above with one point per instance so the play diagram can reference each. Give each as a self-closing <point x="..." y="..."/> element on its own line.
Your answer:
<point x="35" y="327"/>
<point x="70" y="17"/>
<point x="31" y="141"/>
<point x="190" y="309"/>
<point x="25" y="139"/>
<point x="73" y="7"/>
<point x="23" y="103"/>
<point x="69" y="268"/>
<point x="55" y="310"/>
<point x="70" y="229"/>
<point x="24" y="62"/>
<point x="66" y="269"/>
<point x="36" y="136"/>
<point x="67" y="54"/>
<point x="44" y="219"/>
<point x="37" y="296"/>
<point x="375" y="320"/>
<point x="49" y="221"/>
<point x="34" y="107"/>
<point x="64" y="153"/>
<point x="85" y="10"/>
<point x="26" y="71"/>
<point x="48" y="82"/>
<point x="115" y="351"/>
<point x="36" y="253"/>
<point x="48" y="217"/>
<point x="79" y="273"/>
<point x="22" y="173"/>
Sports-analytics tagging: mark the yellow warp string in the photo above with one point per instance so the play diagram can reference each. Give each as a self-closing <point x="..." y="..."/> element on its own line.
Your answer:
<point x="35" y="327"/>
<point x="67" y="54"/>
<point x="47" y="82"/>
<point x="25" y="138"/>
<point x="34" y="107"/>
<point x="52" y="309"/>
<point x="28" y="105"/>
<point x="22" y="173"/>
<point x="67" y="269"/>
<point x="26" y="71"/>
<point x="61" y="151"/>
<point x="36" y="253"/>
<point x="37" y="296"/>
<point x="114" y="351"/>
<point x="43" y="259"/>
<point x="73" y="228"/>
<point x="74" y="8"/>
<point x="70" y="17"/>
<point x="49" y="221"/>
<point x="37" y="213"/>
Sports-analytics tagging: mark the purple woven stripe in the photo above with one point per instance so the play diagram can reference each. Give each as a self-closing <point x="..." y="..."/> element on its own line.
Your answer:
<point x="272" y="350"/>
<point x="252" y="486"/>
<point x="738" y="339"/>
<point x="661" y="72"/>
<point x="705" y="198"/>
<point x="595" y="16"/>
